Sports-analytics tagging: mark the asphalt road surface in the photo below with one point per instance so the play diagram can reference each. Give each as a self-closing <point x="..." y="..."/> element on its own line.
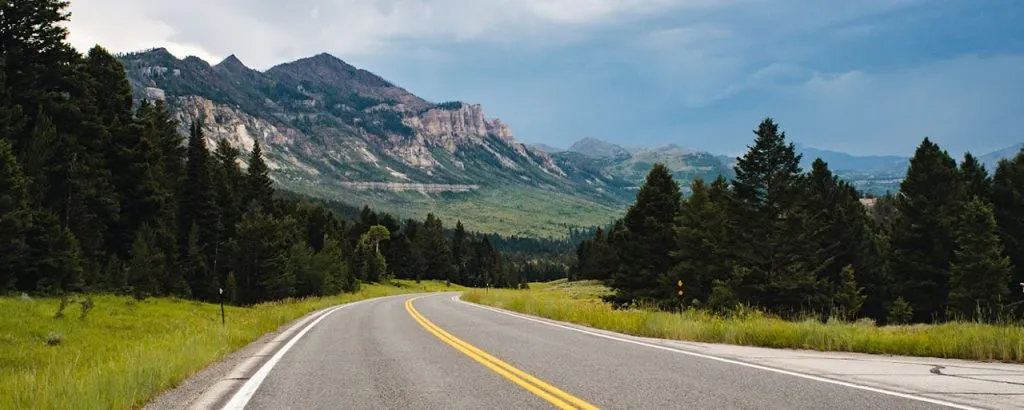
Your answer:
<point x="434" y="352"/>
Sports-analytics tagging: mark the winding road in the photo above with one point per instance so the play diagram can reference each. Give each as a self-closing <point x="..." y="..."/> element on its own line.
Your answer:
<point x="437" y="352"/>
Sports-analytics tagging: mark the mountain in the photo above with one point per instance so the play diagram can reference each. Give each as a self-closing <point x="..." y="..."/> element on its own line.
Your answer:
<point x="593" y="147"/>
<point x="991" y="160"/>
<point x="874" y="174"/>
<point x="546" y="148"/>
<point x="877" y="174"/>
<point x="841" y="161"/>
<point x="332" y="130"/>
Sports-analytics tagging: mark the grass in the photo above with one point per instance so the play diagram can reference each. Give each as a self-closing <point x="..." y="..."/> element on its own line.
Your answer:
<point x="125" y="351"/>
<point x="580" y="303"/>
<point x="507" y="209"/>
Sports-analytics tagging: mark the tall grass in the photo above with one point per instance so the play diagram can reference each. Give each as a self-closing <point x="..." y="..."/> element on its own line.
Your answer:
<point x="582" y="305"/>
<point x="125" y="351"/>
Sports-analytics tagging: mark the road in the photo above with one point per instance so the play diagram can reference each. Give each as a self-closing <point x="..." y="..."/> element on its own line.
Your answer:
<point x="435" y="352"/>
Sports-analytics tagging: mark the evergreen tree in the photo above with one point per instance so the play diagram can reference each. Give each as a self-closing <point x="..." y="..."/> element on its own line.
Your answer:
<point x="647" y="239"/>
<point x="115" y="275"/>
<point x="977" y="182"/>
<point x="261" y="252"/>
<point x="146" y="266"/>
<point x="37" y="158"/>
<point x="15" y="217"/>
<point x="259" y="186"/>
<point x="702" y="243"/>
<point x="336" y="273"/>
<point x="486" y="264"/>
<point x="777" y="260"/>
<point x="922" y="242"/>
<point x="596" y="258"/>
<point x="36" y="58"/>
<point x="1008" y="207"/>
<point x="62" y="272"/>
<point x="459" y="253"/>
<point x="979" y="270"/>
<point x="849" y="297"/>
<point x="308" y="280"/>
<point x="437" y="257"/>
<point x="171" y="145"/>
<point x="198" y="207"/>
<point x="417" y="264"/>
<point x="844" y="239"/>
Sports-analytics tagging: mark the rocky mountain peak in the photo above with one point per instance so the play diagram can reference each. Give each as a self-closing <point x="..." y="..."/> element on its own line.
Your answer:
<point x="232" y="63"/>
<point x="327" y="71"/>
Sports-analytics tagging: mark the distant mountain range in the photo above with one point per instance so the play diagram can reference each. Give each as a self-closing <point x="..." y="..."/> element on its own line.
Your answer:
<point x="332" y="130"/>
<point x="874" y="174"/>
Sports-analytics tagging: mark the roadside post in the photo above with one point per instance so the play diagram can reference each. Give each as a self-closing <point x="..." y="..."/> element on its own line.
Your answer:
<point x="679" y="292"/>
<point x="221" y="290"/>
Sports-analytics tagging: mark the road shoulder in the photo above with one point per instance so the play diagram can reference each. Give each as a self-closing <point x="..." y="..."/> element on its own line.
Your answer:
<point x="213" y="386"/>
<point x="971" y="383"/>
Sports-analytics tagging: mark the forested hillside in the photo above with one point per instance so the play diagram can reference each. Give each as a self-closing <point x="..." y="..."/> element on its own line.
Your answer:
<point x="948" y="245"/>
<point x="98" y="193"/>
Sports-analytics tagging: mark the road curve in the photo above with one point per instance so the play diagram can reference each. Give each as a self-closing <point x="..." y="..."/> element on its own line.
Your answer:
<point x="439" y="353"/>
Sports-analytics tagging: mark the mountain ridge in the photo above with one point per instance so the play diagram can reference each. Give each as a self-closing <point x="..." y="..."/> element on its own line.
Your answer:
<point x="335" y="131"/>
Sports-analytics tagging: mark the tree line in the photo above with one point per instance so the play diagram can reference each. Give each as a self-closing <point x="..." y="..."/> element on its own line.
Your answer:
<point x="100" y="193"/>
<point x="948" y="245"/>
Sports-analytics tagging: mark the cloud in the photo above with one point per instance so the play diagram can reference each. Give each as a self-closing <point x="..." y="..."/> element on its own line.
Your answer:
<point x="866" y="76"/>
<point x="964" y="103"/>
<point x="265" y="32"/>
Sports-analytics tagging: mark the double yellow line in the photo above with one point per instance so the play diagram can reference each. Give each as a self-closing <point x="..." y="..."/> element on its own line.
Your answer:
<point x="546" y="391"/>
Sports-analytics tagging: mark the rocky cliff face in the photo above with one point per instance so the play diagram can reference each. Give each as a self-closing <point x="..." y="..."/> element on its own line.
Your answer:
<point x="321" y="119"/>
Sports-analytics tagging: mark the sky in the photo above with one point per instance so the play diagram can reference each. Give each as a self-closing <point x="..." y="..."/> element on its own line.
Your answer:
<point x="863" y="77"/>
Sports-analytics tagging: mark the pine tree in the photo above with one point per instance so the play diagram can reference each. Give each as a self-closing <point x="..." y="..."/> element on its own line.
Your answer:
<point x="330" y="262"/>
<point x="147" y="265"/>
<point x="116" y="275"/>
<point x="198" y="207"/>
<point x="701" y="243"/>
<point x="647" y="239"/>
<point x="37" y="158"/>
<point x="260" y="253"/>
<point x="15" y="217"/>
<point x="1008" y="207"/>
<point x="979" y="270"/>
<point x="259" y="186"/>
<point x="417" y="264"/>
<point x="486" y="261"/>
<point x="37" y="57"/>
<point x="436" y="252"/>
<point x="459" y="252"/>
<point x="844" y="236"/>
<point x="307" y="279"/>
<point x="922" y="242"/>
<point x="977" y="182"/>
<point x="596" y="258"/>
<point x="171" y="145"/>
<point x="777" y="255"/>
<point x="62" y="272"/>
<point x="135" y="159"/>
<point x="849" y="297"/>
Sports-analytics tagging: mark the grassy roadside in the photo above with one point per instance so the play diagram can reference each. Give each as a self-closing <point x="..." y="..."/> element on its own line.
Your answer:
<point x="125" y="352"/>
<point x="579" y="303"/>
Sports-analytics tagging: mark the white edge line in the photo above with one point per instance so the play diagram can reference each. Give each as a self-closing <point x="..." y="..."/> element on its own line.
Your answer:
<point x="242" y="396"/>
<point x="721" y="359"/>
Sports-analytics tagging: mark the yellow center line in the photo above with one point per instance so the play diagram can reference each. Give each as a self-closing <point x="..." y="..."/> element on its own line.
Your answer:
<point x="532" y="384"/>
